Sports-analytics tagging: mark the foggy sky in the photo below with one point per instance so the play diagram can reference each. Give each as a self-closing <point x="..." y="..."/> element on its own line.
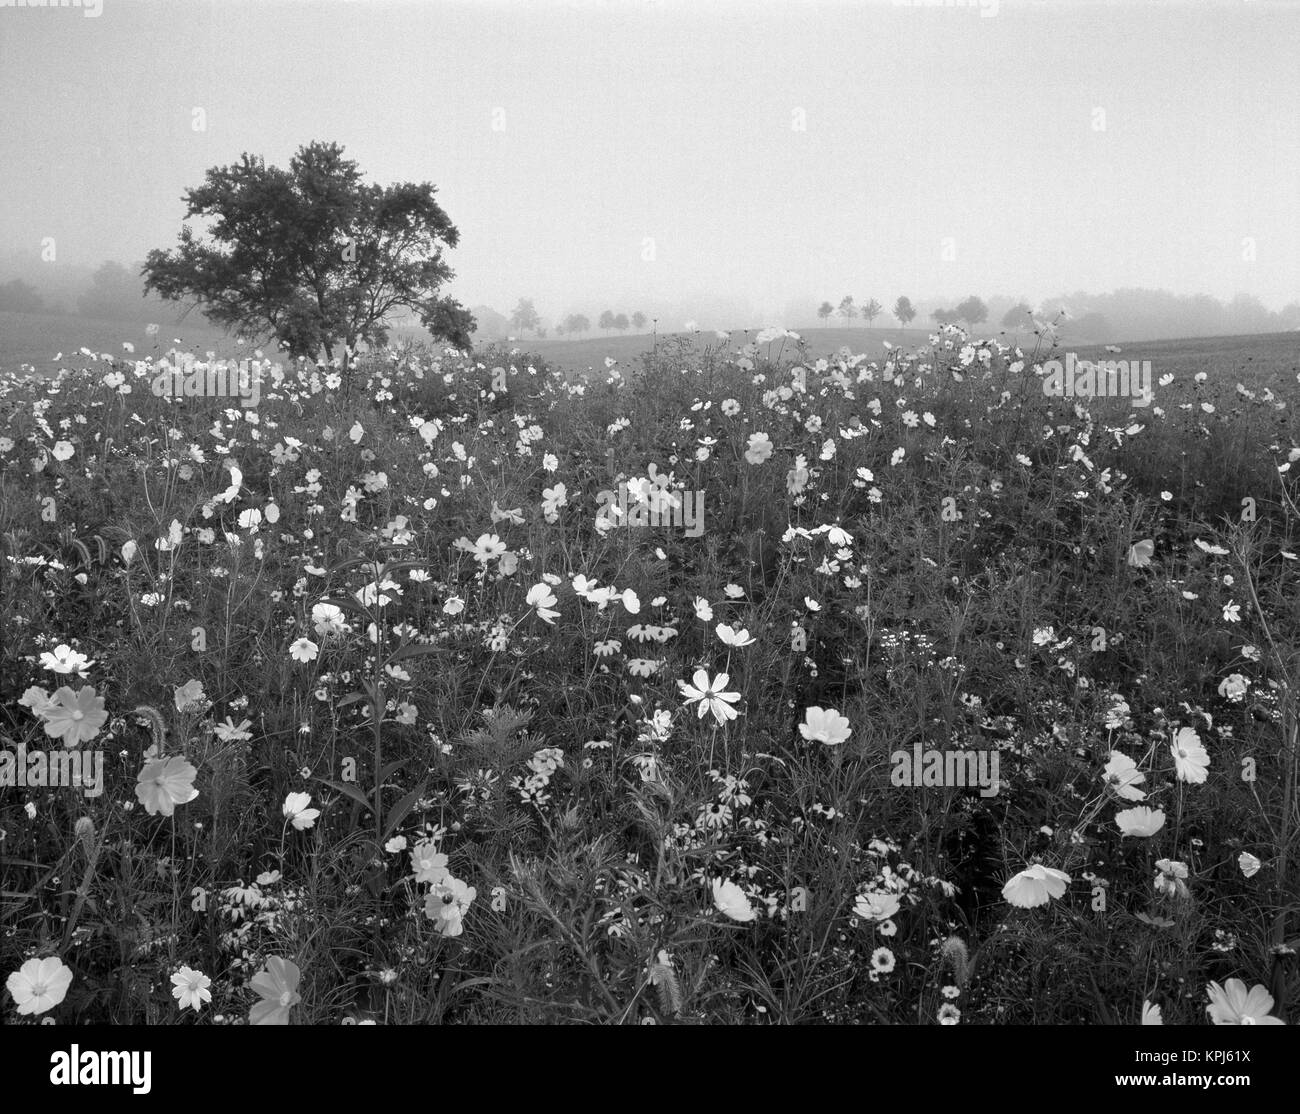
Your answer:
<point x="627" y="122"/>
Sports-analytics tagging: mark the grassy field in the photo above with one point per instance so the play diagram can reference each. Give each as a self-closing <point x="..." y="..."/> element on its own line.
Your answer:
<point x="710" y="690"/>
<point x="36" y="339"/>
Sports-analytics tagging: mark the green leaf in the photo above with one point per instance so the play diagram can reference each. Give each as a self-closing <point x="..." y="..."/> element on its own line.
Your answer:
<point x="411" y="650"/>
<point x="401" y="809"/>
<point x="351" y="698"/>
<point x="391" y="768"/>
<point x="348" y="790"/>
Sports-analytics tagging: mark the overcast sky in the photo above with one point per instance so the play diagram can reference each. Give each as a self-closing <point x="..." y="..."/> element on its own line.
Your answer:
<point x="632" y="151"/>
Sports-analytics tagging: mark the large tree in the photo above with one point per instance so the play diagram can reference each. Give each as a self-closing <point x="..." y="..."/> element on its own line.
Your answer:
<point x="313" y="255"/>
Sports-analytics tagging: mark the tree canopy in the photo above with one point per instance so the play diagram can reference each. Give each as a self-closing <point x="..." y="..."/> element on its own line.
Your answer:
<point x="313" y="255"/>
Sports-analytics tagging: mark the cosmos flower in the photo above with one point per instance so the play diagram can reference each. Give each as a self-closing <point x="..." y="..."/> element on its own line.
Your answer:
<point x="542" y="600"/>
<point x="1141" y="821"/>
<point x="277" y="984"/>
<point x="446" y="905"/>
<point x="710" y="695"/>
<point x="824" y="725"/>
<point x="730" y="900"/>
<point x="875" y="906"/>
<point x="41" y="984"/>
<point x="1190" y="758"/>
<point x="1123" y="777"/>
<point x="64" y="659"/>
<point x="1035" y="885"/>
<point x="1233" y="1004"/>
<point x="1139" y="555"/>
<point x="297" y="813"/>
<point x="190" y="988"/>
<point x="164" y="783"/>
<point x="74" y="717"/>
<point x="429" y="864"/>
<point x="1151" y="1014"/>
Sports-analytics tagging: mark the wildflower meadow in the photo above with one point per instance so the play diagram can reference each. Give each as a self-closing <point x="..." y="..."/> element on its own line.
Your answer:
<point x="726" y="686"/>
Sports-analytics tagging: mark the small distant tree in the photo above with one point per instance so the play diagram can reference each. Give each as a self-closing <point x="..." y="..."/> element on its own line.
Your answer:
<point x="638" y="321"/>
<point x="825" y="310"/>
<point x="1019" y="316"/>
<point x="606" y="319"/>
<point x="871" y="311"/>
<point x="525" y="319"/>
<point x="944" y="316"/>
<point x="313" y="255"/>
<point x="904" y="311"/>
<point x="847" y="309"/>
<point x="972" y="310"/>
<point x="18" y="297"/>
<point x="621" y="322"/>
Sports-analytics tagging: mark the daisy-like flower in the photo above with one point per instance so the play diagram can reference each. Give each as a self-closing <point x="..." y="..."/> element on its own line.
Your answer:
<point x="733" y="637"/>
<point x="41" y="984"/>
<point x="74" y="717"/>
<point x="1171" y="878"/>
<point x="487" y="548"/>
<point x="429" y="864"/>
<point x="883" y="960"/>
<point x="1139" y="555"/>
<point x="730" y="900"/>
<point x="1123" y="777"/>
<point x="297" y="813"/>
<point x="824" y="725"/>
<point x="542" y="600"/>
<point x="1035" y="885"/>
<point x="189" y="697"/>
<point x="760" y="448"/>
<point x="1141" y="821"/>
<point x="875" y="906"/>
<point x="446" y="905"/>
<point x="165" y="783"/>
<point x="64" y="659"/>
<point x="948" y="1014"/>
<point x="277" y="984"/>
<point x="190" y="988"/>
<point x="304" y="650"/>
<point x="232" y="732"/>
<point x="1151" y="1014"/>
<point x="1190" y="759"/>
<point x="710" y="695"/>
<point x="1233" y="1004"/>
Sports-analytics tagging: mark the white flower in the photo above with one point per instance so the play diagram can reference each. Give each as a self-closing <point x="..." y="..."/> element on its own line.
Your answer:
<point x="711" y="695"/>
<point x="875" y="906"/>
<point x="1035" y="885"/>
<point x="65" y="659"/>
<point x="1248" y="864"/>
<point x="190" y="988"/>
<point x="39" y="984"/>
<point x="730" y="899"/>
<point x="1190" y="759"/>
<point x="296" y="811"/>
<point x="824" y="725"/>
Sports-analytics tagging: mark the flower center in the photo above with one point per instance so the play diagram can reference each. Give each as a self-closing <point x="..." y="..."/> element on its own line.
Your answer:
<point x="78" y="714"/>
<point x="286" y="999"/>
